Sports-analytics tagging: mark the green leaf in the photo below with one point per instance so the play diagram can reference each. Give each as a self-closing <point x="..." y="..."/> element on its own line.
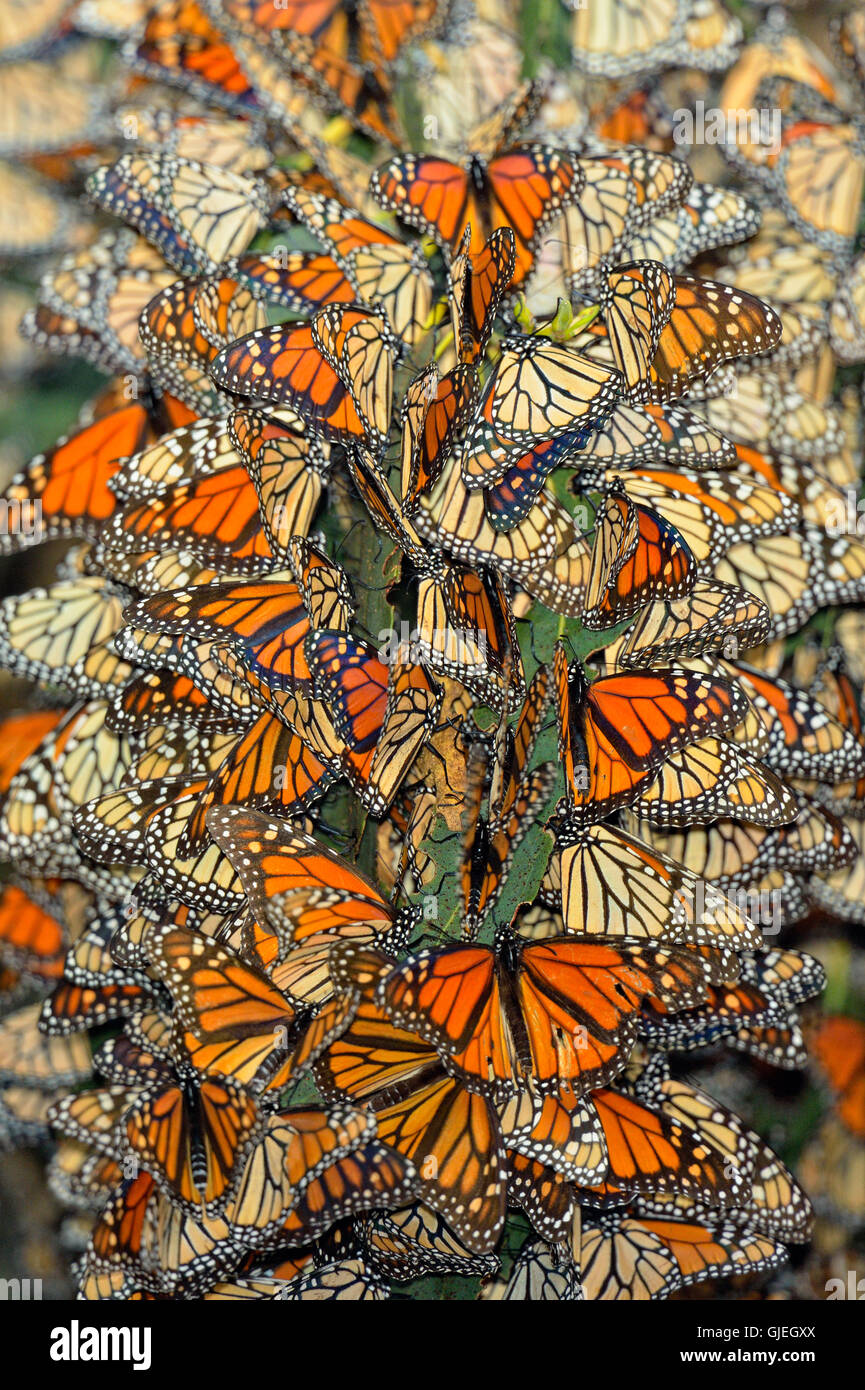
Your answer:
<point x="445" y="849"/>
<point x="526" y="870"/>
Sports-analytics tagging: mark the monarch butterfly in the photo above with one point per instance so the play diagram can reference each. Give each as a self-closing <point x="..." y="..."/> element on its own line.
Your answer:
<point x="49" y="633"/>
<point x="76" y="761"/>
<point x="730" y="849"/>
<point x="647" y="1150"/>
<point x="103" y="290"/>
<point x="653" y="1149"/>
<point x="621" y="41"/>
<point x="617" y="886"/>
<point x="538" y="389"/>
<point x="38" y="118"/>
<point x="780" y="264"/>
<point x="232" y="141"/>
<point x="118" y="190"/>
<point x="302" y="281"/>
<point x="296" y="886"/>
<point x="622" y="193"/>
<point x="491" y="1014"/>
<point x="20" y="736"/>
<point x="503" y="185"/>
<point x="312" y="1169"/>
<point x="67" y="489"/>
<point x="411" y="1241"/>
<point x="840" y="892"/>
<point x="434" y="410"/>
<point x="848" y="41"/>
<point x="350" y="677"/>
<point x="708" y="617"/>
<point x="345" y="1281"/>
<point x="777" y="1205"/>
<point x="637" y="301"/>
<point x="197" y="214"/>
<point x="421" y="1112"/>
<point x="155" y="1243"/>
<point x="326" y="588"/>
<point x="204" y="880"/>
<point x="164" y="753"/>
<point x="288" y="470"/>
<point x="777" y="49"/>
<point x="525" y="549"/>
<point x="816" y="496"/>
<point x="625" y="1255"/>
<point x="190" y="1133"/>
<point x="294" y="1148"/>
<point x="709" y="323"/>
<point x="465" y="623"/>
<point x="712" y="511"/>
<point x="407" y="709"/>
<point x="560" y="1132"/>
<point x="711" y="779"/>
<point x="288" y="365"/>
<point x="92" y="1117"/>
<point x="176" y="459"/>
<point x="129" y="944"/>
<point x="28" y="1057"/>
<point x="362" y="348"/>
<point x="637" y="557"/>
<point x="390" y="28"/>
<point x="235" y="1022"/>
<point x="615" y="731"/>
<point x="386" y="713"/>
<point x="796" y="574"/>
<point x="708" y="218"/>
<point x="61" y="335"/>
<point x="183" y="330"/>
<point x="510" y="502"/>
<point x="287" y="1264"/>
<point x="478" y="285"/>
<point x="214" y="519"/>
<point x="637" y="119"/>
<point x="769" y="986"/>
<point x="805" y="739"/>
<point x="30" y="29"/>
<point x="778" y="417"/>
<point x="540" y="1274"/>
<point x="375" y="1176"/>
<point x="270" y="767"/>
<point x="326" y="50"/>
<point x="803" y="338"/>
<point x="42" y="221"/>
<point x="847" y="317"/>
<point x="80" y="1178"/>
<point x="779" y="1044"/>
<point x="466" y="630"/>
<point x="818" y="176"/>
<point x="74" y="1006"/>
<point x="31" y="938"/>
<point x="207" y="663"/>
<point x="839" y="1047"/>
<point x="178" y="45"/>
<point x="544" y="1195"/>
<point x="777" y="1208"/>
<point x="383" y="271"/>
<point x="265" y="620"/>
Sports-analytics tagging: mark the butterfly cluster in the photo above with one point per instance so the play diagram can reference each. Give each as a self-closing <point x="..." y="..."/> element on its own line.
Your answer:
<point x="425" y="764"/>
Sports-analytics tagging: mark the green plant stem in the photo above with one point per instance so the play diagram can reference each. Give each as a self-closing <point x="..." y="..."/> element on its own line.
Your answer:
<point x="373" y="563"/>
